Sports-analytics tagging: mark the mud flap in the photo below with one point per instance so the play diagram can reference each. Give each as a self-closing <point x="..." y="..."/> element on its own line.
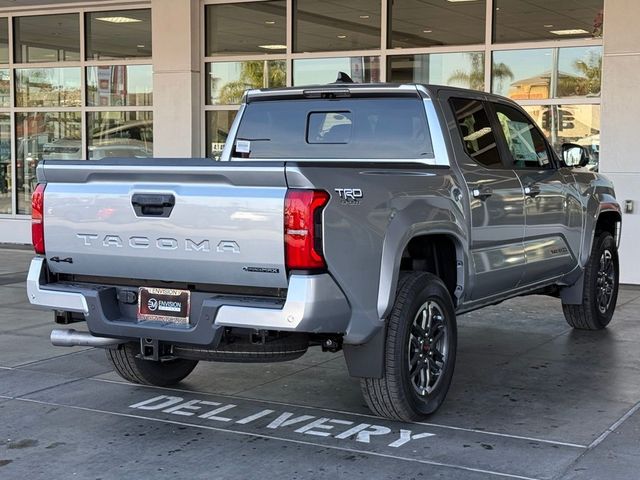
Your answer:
<point x="572" y="294"/>
<point x="366" y="360"/>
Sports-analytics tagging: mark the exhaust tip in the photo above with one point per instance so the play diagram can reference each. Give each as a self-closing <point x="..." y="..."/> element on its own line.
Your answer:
<point x="72" y="338"/>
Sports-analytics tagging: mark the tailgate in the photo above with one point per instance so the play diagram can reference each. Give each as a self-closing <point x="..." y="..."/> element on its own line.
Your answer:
<point x="181" y="220"/>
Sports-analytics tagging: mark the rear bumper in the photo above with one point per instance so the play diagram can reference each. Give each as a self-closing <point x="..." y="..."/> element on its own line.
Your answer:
<point x="314" y="304"/>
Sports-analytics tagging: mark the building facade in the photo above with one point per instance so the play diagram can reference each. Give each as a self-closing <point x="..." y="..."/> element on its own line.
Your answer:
<point x="93" y="79"/>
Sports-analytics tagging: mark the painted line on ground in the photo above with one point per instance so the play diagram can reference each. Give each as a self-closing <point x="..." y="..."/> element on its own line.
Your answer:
<point x="55" y="357"/>
<point x="345" y="412"/>
<point x="282" y="439"/>
<point x="614" y="426"/>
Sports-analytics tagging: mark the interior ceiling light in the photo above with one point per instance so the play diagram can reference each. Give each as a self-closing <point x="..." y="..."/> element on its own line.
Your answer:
<point x="119" y="19"/>
<point x="365" y="17"/>
<point x="427" y="31"/>
<point x="569" y="31"/>
<point x="270" y="22"/>
<point x="273" y="47"/>
<point x="342" y="36"/>
<point x="548" y="26"/>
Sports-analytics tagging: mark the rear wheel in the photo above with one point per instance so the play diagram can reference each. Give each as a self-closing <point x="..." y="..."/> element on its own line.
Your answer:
<point x="126" y="363"/>
<point x="600" y="287"/>
<point x="420" y="352"/>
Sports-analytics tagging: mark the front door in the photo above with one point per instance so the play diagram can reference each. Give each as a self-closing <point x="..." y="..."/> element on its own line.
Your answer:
<point x="496" y="199"/>
<point x="553" y="212"/>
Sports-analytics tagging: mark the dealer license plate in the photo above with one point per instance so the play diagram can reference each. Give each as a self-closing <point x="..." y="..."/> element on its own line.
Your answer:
<point x="164" y="305"/>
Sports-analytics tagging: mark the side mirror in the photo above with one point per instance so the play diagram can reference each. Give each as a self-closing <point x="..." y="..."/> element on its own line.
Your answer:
<point x="574" y="155"/>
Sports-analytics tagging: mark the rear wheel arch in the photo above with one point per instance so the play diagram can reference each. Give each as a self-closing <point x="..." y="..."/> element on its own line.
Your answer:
<point x="438" y="253"/>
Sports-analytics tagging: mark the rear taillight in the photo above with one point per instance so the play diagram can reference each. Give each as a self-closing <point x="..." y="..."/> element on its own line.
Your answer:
<point x="37" y="219"/>
<point x="303" y="229"/>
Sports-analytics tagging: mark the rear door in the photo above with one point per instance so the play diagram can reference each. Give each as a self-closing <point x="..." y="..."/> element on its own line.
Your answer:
<point x="496" y="197"/>
<point x="553" y="212"/>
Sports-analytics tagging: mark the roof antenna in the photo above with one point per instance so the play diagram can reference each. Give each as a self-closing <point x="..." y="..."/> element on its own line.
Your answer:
<point x="343" y="78"/>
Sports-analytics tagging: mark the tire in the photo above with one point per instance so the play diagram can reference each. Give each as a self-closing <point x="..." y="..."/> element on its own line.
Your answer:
<point x="146" y="372"/>
<point x="403" y="392"/>
<point x="600" y="293"/>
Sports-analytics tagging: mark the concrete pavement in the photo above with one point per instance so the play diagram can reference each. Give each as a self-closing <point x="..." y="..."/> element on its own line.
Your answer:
<point x="530" y="399"/>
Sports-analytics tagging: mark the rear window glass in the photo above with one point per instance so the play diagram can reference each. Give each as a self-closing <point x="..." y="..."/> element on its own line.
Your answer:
<point x="363" y="128"/>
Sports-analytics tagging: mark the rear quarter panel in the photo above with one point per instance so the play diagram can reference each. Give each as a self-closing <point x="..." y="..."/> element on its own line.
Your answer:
<point x="364" y="239"/>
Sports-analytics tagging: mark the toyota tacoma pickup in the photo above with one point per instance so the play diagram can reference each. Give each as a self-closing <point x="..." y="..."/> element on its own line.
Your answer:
<point x="360" y="218"/>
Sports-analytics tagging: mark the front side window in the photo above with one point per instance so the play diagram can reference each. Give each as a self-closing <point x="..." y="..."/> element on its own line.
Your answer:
<point x="475" y="129"/>
<point x="525" y="142"/>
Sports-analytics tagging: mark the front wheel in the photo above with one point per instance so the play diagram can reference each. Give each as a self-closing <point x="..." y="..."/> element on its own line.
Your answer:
<point x="600" y="287"/>
<point x="420" y="352"/>
<point x="129" y="366"/>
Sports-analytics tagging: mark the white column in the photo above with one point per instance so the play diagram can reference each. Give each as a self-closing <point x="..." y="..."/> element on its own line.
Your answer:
<point x="176" y="78"/>
<point x="620" y="116"/>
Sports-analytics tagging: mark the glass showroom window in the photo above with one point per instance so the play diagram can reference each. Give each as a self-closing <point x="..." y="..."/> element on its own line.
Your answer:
<point x="454" y="69"/>
<point x="415" y="23"/>
<point x="46" y="38"/>
<point x="522" y="74"/>
<point x="5" y="164"/>
<point x="518" y="21"/>
<point x="48" y="87"/>
<point x="579" y="72"/>
<point x="122" y="35"/>
<point x="218" y="125"/>
<point x="254" y="29"/>
<point x="56" y="115"/>
<point x="246" y="28"/>
<point x="119" y="85"/>
<point x="570" y="123"/>
<point x="318" y="71"/>
<point x="4" y="41"/>
<point x="118" y="34"/>
<point x="227" y="81"/>
<point x="330" y="26"/>
<point x="547" y="73"/>
<point x="39" y="136"/>
<point x="120" y="134"/>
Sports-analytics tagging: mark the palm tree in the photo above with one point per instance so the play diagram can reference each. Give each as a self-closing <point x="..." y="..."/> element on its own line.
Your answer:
<point x="589" y="80"/>
<point x="254" y="74"/>
<point x="474" y="78"/>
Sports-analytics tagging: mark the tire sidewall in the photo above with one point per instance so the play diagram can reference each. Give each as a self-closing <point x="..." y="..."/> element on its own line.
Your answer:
<point x="426" y="288"/>
<point x="604" y="242"/>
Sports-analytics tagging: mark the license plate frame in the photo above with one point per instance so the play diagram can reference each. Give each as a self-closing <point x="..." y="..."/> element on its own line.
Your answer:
<point x="166" y="305"/>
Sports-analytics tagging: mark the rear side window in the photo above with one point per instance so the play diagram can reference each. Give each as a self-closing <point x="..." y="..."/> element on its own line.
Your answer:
<point x="353" y="128"/>
<point x="475" y="129"/>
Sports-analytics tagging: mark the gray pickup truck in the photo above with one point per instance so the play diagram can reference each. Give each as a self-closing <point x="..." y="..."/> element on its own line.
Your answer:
<point x="360" y="218"/>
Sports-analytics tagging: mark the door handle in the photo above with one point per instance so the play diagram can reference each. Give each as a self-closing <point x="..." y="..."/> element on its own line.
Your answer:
<point x="482" y="193"/>
<point x="153" y="204"/>
<point x="532" y="191"/>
